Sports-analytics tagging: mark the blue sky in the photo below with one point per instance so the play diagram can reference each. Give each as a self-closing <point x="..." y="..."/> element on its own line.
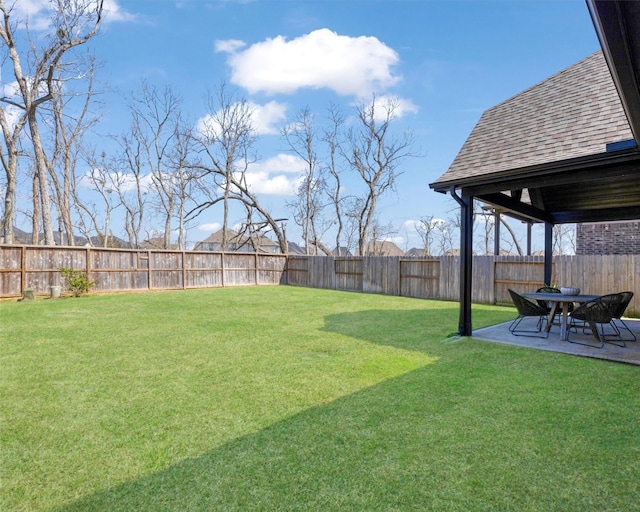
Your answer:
<point x="446" y="61"/>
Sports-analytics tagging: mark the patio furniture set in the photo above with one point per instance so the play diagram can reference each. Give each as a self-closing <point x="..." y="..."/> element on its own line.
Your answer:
<point x="598" y="315"/>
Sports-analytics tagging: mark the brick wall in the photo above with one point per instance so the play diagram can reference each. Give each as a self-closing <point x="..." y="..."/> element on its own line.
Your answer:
<point x="608" y="238"/>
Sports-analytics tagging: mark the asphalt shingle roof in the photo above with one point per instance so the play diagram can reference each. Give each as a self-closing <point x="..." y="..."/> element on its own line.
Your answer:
<point x="573" y="113"/>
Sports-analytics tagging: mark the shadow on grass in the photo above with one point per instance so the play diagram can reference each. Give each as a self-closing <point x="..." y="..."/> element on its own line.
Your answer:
<point x="419" y="329"/>
<point x="386" y="447"/>
<point x="332" y="457"/>
<point x="436" y="438"/>
<point x="462" y="434"/>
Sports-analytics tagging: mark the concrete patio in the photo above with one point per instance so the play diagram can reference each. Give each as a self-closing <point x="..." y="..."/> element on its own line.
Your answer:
<point x="629" y="354"/>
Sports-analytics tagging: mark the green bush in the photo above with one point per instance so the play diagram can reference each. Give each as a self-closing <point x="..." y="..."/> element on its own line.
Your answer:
<point x="76" y="281"/>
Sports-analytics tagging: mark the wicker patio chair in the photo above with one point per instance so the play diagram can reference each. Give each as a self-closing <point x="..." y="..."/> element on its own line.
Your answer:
<point x="599" y="312"/>
<point x="617" y="321"/>
<point x="526" y="308"/>
<point x="546" y="289"/>
<point x="547" y="305"/>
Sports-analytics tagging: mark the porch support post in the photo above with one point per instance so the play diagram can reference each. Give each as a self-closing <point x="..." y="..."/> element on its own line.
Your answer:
<point x="496" y="233"/>
<point x="528" y="238"/>
<point x="466" y="261"/>
<point x="548" y="253"/>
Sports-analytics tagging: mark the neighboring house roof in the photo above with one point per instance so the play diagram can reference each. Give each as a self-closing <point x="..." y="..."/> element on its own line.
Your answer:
<point x="382" y="248"/>
<point x="341" y="251"/>
<point x="294" y="248"/>
<point x="573" y="113"/>
<point x="414" y="252"/>
<point x="21" y="237"/>
<point x="156" y="243"/>
<point x="112" y="242"/>
<point x="237" y="241"/>
<point x="233" y="237"/>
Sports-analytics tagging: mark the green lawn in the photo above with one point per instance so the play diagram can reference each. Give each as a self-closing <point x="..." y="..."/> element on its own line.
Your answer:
<point x="283" y="398"/>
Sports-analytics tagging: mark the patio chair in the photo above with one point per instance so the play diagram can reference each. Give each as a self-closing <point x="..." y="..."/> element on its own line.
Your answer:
<point x="547" y="305"/>
<point x="526" y="308"/>
<point x="599" y="312"/>
<point x="626" y="299"/>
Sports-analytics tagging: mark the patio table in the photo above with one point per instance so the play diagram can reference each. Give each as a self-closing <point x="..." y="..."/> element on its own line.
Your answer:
<point x="560" y="301"/>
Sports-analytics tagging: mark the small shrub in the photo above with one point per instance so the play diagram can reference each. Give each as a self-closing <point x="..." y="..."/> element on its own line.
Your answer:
<point x="76" y="281"/>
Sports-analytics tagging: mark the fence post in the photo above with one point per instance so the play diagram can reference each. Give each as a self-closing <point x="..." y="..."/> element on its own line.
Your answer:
<point x="87" y="262"/>
<point x="149" y="269"/>
<point x="184" y="270"/>
<point x="256" y="267"/>
<point x="23" y="271"/>
<point x="222" y="265"/>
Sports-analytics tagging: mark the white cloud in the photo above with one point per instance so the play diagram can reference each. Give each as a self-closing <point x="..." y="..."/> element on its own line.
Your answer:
<point x="115" y="181"/>
<point x="114" y="13"/>
<point x="280" y="163"/>
<point x="30" y="8"/>
<point x="229" y="45"/>
<point x="211" y="226"/>
<point x="279" y="175"/>
<point x="399" y="107"/>
<point x="38" y="13"/>
<point x="10" y="90"/>
<point x="34" y="12"/>
<point x="397" y="240"/>
<point x="265" y="118"/>
<point x="12" y="115"/>
<point x="320" y="59"/>
<point x="263" y="183"/>
<point x="411" y="225"/>
<point x="11" y="112"/>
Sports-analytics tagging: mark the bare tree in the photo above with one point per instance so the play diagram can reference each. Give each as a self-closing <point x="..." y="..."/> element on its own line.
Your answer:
<point x="92" y="218"/>
<point x="426" y="229"/>
<point x="119" y="180"/>
<point x="375" y="154"/>
<point x="73" y="22"/>
<point x="513" y="236"/>
<point x="380" y="233"/>
<point x="183" y="182"/>
<point x="483" y="221"/>
<point x="224" y="142"/>
<point x="333" y="189"/>
<point x="310" y="199"/>
<point x="158" y="133"/>
<point x="9" y="157"/>
<point x="445" y="234"/>
<point x="71" y="124"/>
<point x="564" y="239"/>
<point x="131" y="185"/>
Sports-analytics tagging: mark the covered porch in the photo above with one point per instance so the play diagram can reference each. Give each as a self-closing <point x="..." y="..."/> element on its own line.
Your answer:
<point x="563" y="151"/>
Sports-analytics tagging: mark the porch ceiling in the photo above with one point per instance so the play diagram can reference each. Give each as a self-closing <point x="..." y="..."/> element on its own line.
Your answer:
<point x="606" y="188"/>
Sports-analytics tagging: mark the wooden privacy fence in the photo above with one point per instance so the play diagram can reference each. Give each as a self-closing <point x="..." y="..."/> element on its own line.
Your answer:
<point x="439" y="277"/>
<point x="113" y="270"/>
<point x="38" y="268"/>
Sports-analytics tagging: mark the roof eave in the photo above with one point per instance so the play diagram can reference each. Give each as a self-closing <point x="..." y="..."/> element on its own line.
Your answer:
<point x="534" y="172"/>
<point x="615" y="23"/>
